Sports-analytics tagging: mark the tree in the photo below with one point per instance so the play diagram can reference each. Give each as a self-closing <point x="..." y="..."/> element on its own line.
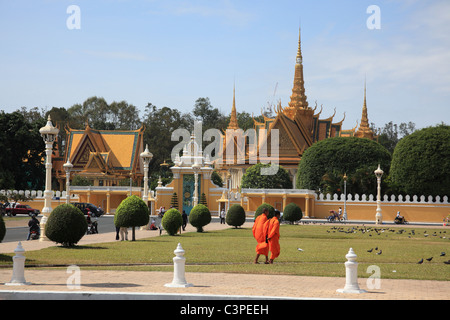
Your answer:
<point x="253" y="179"/>
<point x="101" y="116"/>
<point x="332" y="158"/>
<point x="199" y="217"/>
<point x="132" y="212"/>
<point x="22" y="151"/>
<point x="392" y="133"/>
<point x="209" y="116"/>
<point x="421" y="162"/>
<point x="66" y="225"/>
<point x="2" y="228"/>
<point x="172" y="221"/>
<point x="160" y="124"/>
<point x="235" y="216"/>
<point x="174" y="200"/>
<point x="292" y="212"/>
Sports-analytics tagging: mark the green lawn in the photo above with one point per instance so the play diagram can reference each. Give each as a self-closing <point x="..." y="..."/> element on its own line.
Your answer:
<point x="233" y="250"/>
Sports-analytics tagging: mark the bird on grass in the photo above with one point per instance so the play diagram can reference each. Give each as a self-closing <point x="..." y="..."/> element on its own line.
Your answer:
<point x="380" y="252"/>
<point x="447" y="262"/>
<point x="442" y="254"/>
<point x="370" y="251"/>
<point x="420" y="262"/>
<point x="429" y="259"/>
<point x="299" y="249"/>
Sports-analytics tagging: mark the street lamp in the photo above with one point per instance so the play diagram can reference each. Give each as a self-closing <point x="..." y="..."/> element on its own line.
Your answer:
<point x="48" y="133"/>
<point x="196" y="167"/>
<point x="378" y="216"/>
<point x="146" y="158"/>
<point x="68" y="167"/>
<point x="345" y="196"/>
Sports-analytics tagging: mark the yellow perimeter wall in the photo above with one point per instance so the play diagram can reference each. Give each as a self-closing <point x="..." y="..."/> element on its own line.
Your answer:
<point x="419" y="210"/>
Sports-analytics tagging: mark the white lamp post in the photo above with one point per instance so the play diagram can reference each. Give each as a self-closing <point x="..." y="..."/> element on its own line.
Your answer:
<point x="378" y="216"/>
<point x="146" y="158"/>
<point x="68" y="167"/>
<point x="196" y="167"/>
<point x="48" y="133"/>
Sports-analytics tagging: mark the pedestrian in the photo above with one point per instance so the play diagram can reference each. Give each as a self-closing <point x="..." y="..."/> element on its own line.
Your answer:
<point x="117" y="233"/>
<point x="272" y="230"/>
<point x="262" y="248"/>
<point x="124" y="233"/>
<point x="185" y="219"/>
<point x="222" y="216"/>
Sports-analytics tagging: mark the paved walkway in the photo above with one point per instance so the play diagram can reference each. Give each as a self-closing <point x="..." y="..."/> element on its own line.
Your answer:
<point x="150" y="285"/>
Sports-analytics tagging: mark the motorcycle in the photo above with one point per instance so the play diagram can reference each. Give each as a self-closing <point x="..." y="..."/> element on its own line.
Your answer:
<point x="34" y="234"/>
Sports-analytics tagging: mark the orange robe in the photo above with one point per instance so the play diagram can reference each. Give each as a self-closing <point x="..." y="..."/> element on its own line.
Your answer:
<point x="272" y="229"/>
<point x="258" y="233"/>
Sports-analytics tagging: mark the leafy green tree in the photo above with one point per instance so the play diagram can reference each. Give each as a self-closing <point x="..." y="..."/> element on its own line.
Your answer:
<point x="160" y="124"/>
<point x="324" y="164"/>
<point x="2" y="228"/>
<point x="292" y="213"/>
<point x="22" y="149"/>
<point x="66" y="225"/>
<point x="253" y="179"/>
<point x="216" y="179"/>
<point x="199" y="217"/>
<point x="172" y="221"/>
<point x="391" y="133"/>
<point x="132" y="212"/>
<point x="421" y="162"/>
<point x="235" y="216"/>
<point x="209" y="116"/>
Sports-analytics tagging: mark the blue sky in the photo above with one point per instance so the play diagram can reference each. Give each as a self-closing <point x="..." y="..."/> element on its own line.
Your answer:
<point x="171" y="52"/>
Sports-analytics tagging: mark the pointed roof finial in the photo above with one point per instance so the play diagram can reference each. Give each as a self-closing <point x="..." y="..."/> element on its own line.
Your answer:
<point x="364" y="130"/>
<point x="298" y="97"/>
<point x="299" y="50"/>
<point x="233" y="118"/>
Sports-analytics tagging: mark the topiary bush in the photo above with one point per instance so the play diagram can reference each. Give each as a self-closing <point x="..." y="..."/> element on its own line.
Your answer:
<point x="329" y="159"/>
<point x="260" y="210"/>
<point x="254" y="179"/>
<point x="292" y="212"/>
<point x="132" y="212"/>
<point x="199" y="217"/>
<point x="421" y="162"/>
<point x="66" y="225"/>
<point x="235" y="216"/>
<point x="172" y="221"/>
<point x="2" y="228"/>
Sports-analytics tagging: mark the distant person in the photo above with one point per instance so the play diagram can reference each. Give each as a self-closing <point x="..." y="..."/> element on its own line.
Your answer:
<point x="222" y="216"/>
<point x="185" y="219"/>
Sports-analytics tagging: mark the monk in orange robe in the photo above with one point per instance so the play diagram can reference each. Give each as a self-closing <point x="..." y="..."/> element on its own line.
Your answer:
<point x="262" y="248"/>
<point x="272" y="229"/>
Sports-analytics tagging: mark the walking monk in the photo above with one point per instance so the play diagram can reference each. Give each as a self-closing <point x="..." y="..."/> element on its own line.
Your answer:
<point x="272" y="229"/>
<point x="262" y="248"/>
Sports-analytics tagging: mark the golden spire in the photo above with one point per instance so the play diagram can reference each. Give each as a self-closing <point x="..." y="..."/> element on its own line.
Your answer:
<point x="298" y="98"/>
<point x="233" y="118"/>
<point x="364" y="130"/>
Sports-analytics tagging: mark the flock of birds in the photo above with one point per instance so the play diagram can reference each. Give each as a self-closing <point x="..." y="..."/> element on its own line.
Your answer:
<point x="379" y="231"/>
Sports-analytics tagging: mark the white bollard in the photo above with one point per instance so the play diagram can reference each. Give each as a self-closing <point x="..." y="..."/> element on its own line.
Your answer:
<point x="179" y="280"/>
<point x="18" y="277"/>
<point x="351" y="274"/>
